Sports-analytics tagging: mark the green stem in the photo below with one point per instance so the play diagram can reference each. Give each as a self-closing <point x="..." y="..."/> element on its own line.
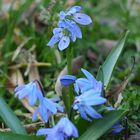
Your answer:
<point x="69" y="69"/>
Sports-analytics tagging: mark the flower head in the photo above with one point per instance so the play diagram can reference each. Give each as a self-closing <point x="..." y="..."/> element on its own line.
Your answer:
<point x="46" y="108"/>
<point x="30" y="90"/>
<point x="84" y="102"/>
<point x="82" y="84"/>
<point x="63" y="129"/>
<point x="88" y="83"/>
<point x="68" y="28"/>
<point x="74" y="14"/>
<point x="60" y="36"/>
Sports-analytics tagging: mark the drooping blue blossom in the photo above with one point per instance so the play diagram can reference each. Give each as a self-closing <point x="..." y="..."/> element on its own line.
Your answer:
<point x="47" y="108"/>
<point x="61" y="131"/>
<point x="31" y="91"/>
<point x="84" y="102"/>
<point x="117" y="127"/>
<point x="67" y="80"/>
<point x="68" y="28"/>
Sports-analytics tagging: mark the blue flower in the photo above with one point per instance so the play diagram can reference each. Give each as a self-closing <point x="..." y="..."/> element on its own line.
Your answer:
<point x="117" y="127"/>
<point x="63" y="129"/>
<point x="30" y="90"/>
<point x="82" y="84"/>
<point x="88" y="83"/>
<point x="67" y="27"/>
<point x="46" y="108"/>
<point x="72" y="27"/>
<point x="85" y="101"/>
<point x="67" y="80"/>
<point x="73" y="10"/>
<point x="59" y="36"/>
<point x="75" y="15"/>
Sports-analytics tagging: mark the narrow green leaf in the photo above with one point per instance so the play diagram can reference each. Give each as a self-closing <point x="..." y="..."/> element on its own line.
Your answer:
<point x="100" y="75"/>
<point x="10" y="118"/>
<point x="12" y="136"/>
<point x="103" y="125"/>
<point x="111" y="60"/>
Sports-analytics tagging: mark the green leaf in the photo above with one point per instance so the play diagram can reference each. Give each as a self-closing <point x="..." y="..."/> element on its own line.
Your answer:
<point x="102" y="125"/>
<point x="10" y="118"/>
<point x="12" y="136"/>
<point x="111" y="60"/>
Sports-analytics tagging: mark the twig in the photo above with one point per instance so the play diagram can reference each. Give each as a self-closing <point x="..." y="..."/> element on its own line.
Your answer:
<point x="38" y="64"/>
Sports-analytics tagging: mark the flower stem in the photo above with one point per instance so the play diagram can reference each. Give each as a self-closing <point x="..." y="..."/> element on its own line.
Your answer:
<point x="69" y="69"/>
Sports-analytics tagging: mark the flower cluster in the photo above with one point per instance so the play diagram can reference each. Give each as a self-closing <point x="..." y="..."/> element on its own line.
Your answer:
<point x="46" y="107"/>
<point x="88" y="92"/>
<point x="68" y="28"/>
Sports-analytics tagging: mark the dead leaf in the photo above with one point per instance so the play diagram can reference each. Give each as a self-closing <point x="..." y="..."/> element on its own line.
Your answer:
<point x="117" y="92"/>
<point x="105" y="45"/>
<point x="70" y="2"/>
<point x="33" y="72"/>
<point x="19" y="48"/>
<point x="91" y="55"/>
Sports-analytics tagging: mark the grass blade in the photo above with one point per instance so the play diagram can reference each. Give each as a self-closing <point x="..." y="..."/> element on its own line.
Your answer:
<point x="12" y="136"/>
<point x="103" y="125"/>
<point x="111" y="60"/>
<point x="10" y="118"/>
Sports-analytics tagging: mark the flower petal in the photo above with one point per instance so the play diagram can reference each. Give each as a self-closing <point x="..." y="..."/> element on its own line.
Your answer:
<point x="83" y="113"/>
<point x="91" y="112"/>
<point x="18" y="88"/>
<point x="32" y="97"/>
<point x="117" y="128"/>
<point x="44" y="131"/>
<point x="62" y="15"/>
<point x="67" y="80"/>
<point x="83" y="84"/>
<point x="74" y="9"/>
<point x="82" y="19"/>
<point x="54" y="40"/>
<point x="34" y="117"/>
<point x="64" y="43"/>
<point x="57" y="30"/>
<point x="88" y="75"/>
<point x="73" y="28"/>
<point x="94" y="101"/>
<point x="48" y="104"/>
<point x="43" y="113"/>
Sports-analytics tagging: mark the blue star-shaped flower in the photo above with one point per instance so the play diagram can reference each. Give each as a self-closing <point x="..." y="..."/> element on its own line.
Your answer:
<point x="31" y="91"/>
<point x="46" y="108"/>
<point x="82" y="84"/>
<point x="59" y="36"/>
<point x="84" y="102"/>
